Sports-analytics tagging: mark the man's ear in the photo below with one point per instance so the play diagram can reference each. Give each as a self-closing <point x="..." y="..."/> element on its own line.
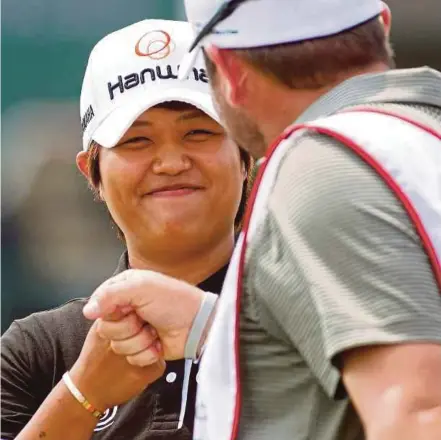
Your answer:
<point x="231" y="74"/>
<point x="386" y="19"/>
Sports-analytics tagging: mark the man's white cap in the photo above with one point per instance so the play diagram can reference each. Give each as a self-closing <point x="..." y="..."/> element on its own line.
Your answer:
<point x="256" y="23"/>
<point x="134" y="69"/>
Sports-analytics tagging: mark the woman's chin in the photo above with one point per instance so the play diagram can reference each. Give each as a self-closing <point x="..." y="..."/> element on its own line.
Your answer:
<point x="173" y="229"/>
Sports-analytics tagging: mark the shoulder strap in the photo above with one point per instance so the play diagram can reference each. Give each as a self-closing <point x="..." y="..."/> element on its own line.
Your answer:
<point x="407" y="156"/>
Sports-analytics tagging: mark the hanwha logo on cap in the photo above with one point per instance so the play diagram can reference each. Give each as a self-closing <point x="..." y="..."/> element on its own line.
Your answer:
<point x="107" y="419"/>
<point x="155" y="45"/>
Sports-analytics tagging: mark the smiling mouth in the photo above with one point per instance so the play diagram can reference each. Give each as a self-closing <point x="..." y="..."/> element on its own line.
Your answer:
<point x="174" y="191"/>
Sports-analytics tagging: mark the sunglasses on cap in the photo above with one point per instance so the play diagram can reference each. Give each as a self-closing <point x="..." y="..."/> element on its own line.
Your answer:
<point x="222" y="13"/>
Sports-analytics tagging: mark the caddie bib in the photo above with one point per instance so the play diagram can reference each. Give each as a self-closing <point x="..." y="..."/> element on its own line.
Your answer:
<point x="404" y="153"/>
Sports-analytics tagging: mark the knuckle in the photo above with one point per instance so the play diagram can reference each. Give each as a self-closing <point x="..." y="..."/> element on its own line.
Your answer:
<point x="135" y="361"/>
<point x="147" y="338"/>
<point x="134" y="324"/>
<point x="141" y="342"/>
<point x="115" y="330"/>
<point x="123" y="329"/>
<point x="116" y="347"/>
<point x="101" y="329"/>
<point x="142" y="359"/>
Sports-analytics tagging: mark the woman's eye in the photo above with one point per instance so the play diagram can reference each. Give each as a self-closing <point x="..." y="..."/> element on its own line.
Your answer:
<point x="138" y="142"/>
<point x="199" y="135"/>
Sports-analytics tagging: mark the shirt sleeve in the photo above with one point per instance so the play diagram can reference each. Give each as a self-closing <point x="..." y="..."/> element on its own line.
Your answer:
<point x="363" y="267"/>
<point x="35" y="352"/>
<point x="19" y="402"/>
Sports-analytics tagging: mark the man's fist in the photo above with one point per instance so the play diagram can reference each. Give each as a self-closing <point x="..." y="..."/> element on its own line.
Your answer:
<point x="166" y="304"/>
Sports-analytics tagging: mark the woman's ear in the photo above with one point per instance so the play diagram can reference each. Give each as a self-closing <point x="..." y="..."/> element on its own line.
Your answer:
<point x="244" y="170"/>
<point x="244" y="163"/>
<point x="82" y="158"/>
<point x="101" y="193"/>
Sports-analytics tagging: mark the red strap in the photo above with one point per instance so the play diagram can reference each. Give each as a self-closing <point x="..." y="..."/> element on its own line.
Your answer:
<point x="389" y="180"/>
<point x="252" y="199"/>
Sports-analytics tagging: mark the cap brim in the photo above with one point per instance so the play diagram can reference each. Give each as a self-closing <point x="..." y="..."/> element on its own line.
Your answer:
<point x="113" y="128"/>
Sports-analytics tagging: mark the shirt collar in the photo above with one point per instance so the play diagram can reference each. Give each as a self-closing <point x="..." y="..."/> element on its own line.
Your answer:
<point x="212" y="284"/>
<point x="123" y="263"/>
<point x="420" y="85"/>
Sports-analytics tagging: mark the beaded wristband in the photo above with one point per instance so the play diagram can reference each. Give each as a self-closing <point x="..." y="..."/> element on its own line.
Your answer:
<point x="79" y="397"/>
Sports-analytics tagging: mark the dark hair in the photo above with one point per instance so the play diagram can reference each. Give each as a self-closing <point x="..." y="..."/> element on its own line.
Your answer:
<point x="95" y="176"/>
<point x="316" y="63"/>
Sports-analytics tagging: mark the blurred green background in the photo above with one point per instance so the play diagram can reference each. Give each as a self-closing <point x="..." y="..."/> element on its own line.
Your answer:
<point x="57" y="243"/>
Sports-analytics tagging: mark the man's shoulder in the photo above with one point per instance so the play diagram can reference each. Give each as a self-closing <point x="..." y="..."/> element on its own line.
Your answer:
<point x="318" y="147"/>
<point x="321" y="181"/>
<point x="420" y="112"/>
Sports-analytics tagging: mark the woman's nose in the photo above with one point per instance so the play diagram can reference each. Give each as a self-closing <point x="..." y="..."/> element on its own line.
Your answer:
<point x="171" y="160"/>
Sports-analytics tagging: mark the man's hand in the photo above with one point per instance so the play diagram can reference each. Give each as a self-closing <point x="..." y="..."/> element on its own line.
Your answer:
<point x="166" y="304"/>
<point x="107" y="379"/>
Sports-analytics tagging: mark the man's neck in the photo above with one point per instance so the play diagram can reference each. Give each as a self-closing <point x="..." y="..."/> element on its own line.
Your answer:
<point x="289" y="104"/>
<point x="191" y="265"/>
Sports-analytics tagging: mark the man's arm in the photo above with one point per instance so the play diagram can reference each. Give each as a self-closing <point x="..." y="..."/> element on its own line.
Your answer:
<point x="396" y="390"/>
<point x="377" y="303"/>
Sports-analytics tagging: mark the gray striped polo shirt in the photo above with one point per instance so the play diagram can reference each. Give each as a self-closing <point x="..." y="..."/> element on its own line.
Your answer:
<point x="335" y="264"/>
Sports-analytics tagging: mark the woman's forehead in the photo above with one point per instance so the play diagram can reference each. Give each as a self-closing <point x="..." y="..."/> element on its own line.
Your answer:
<point x="174" y="110"/>
<point x="176" y="106"/>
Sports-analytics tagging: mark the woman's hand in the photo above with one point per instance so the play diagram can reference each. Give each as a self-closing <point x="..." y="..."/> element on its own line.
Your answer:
<point x="107" y="379"/>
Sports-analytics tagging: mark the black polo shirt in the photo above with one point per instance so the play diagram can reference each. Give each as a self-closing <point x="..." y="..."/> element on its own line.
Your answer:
<point x="37" y="350"/>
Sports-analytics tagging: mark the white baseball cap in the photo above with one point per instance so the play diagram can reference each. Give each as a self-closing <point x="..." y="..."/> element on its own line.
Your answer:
<point x="134" y="69"/>
<point x="256" y="23"/>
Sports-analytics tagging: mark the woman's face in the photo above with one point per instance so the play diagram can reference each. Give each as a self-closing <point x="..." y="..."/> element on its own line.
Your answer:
<point x="174" y="178"/>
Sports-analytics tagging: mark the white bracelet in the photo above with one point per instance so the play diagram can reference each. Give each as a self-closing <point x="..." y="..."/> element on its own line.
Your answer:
<point x="79" y="396"/>
<point x="198" y="326"/>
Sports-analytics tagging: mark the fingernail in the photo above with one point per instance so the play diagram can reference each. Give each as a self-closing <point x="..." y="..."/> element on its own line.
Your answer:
<point x="92" y="309"/>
